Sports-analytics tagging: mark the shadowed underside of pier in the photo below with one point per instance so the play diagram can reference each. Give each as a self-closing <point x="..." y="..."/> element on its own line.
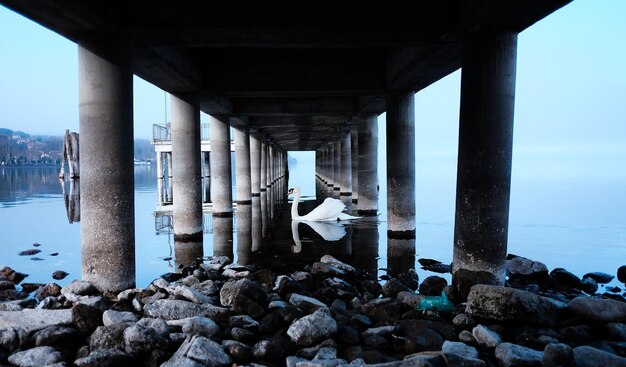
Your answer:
<point x="296" y="72"/>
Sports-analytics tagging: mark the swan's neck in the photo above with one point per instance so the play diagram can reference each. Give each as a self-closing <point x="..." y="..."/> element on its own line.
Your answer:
<point x="294" y="207"/>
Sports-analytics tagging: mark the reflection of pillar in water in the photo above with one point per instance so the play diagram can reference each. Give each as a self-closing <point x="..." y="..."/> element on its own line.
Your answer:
<point x="257" y="224"/>
<point x="186" y="253"/>
<point x="170" y="186"/>
<point x="400" y="255"/>
<point x="343" y="247"/>
<point x="74" y="201"/>
<point x="223" y="236"/>
<point x="366" y="237"/>
<point x="160" y="177"/>
<point x="244" y="234"/>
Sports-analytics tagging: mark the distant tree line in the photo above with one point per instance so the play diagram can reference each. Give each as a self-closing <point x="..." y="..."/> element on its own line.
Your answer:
<point x="20" y="148"/>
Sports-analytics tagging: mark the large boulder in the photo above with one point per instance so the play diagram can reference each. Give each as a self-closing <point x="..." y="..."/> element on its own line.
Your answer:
<point x="36" y="357"/>
<point x="170" y="309"/>
<point x="509" y="304"/>
<point x="598" y="310"/>
<point x="312" y="328"/>
<point x="591" y="357"/>
<point x="32" y="320"/>
<point x="199" y="351"/>
<point x="521" y="267"/>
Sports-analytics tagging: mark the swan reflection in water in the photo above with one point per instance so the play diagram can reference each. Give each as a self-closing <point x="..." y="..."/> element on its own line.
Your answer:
<point x="330" y="231"/>
<point x="323" y="219"/>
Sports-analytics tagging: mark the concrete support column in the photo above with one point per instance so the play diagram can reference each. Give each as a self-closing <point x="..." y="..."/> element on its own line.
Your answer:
<point x="242" y="162"/>
<point x="484" y="163"/>
<point x="207" y="177"/>
<point x="107" y="170"/>
<point x="337" y="167"/>
<point x="368" y="167"/>
<point x="188" y="222"/>
<point x="255" y="165"/>
<point x="221" y="175"/>
<point x="401" y="164"/>
<point x="354" y="171"/>
<point x="346" y="169"/>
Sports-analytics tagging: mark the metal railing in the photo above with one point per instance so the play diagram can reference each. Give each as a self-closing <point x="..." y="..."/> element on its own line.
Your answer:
<point x="163" y="133"/>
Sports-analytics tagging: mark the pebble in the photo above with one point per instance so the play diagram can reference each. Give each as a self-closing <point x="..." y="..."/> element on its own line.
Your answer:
<point x="59" y="275"/>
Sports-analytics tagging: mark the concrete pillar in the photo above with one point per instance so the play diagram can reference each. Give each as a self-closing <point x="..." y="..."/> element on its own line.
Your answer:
<point x="187" y="179"/>
<point x="354" y="171"/>
<point x="242" y="163"/>
<point x="223" y="236"/>
<point x="244" y="233"/>
<point x="207" y="177"/>
<point x="401" y="165"/>
<point x="107" y="169"/>
<point x="257" y="224"/>
<point x="255" y="165"/>
<point x="346" y="169"/>
<point x="484" y="163"/>
<point x="221" y="175"/>
<point x="337" y="168"/>
<point x="368" y="167"/>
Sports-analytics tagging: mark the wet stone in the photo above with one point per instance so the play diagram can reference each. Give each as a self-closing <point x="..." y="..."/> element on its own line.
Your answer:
<point x="36" y="357"/>
<point x="29" y="252"/>
<point x="59" y="275"/>
<point x="521" y="267"/>
<point x="513" y="355"/>
<point x="590" y="286"/>
<point x="11" y="275"/>
<point x="599" y="277"/>
<point x="621" y="274"/>
<point x="598" y="310"/>
<point x="30" y="287"/>
<point x="171" y="277"/>
<point x="48" y="290"/>
<point x="566" y="279"/>
<point x="433" y="286"/>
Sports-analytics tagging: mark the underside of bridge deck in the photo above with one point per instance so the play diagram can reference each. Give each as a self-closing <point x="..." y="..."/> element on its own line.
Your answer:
<point x="296" y="72"/>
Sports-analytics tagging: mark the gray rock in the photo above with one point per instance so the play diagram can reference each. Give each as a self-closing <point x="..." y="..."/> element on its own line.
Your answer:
<point x="621" y="274"/>
<point x="48" y="290"/>
<point x="513" y="355"/>
<point x="80" y="288"/>
<point x="522" y="267"/>
<point x="269" y="350"/>
<point x="6" y="284"/>
<point x="410" y="299"/>
<point x="566" y="279"/>
<point x="32" y="320"/>
<point x="422" y="340"/>
<point x="191" y="294"/>
<point x="285" y="284"/>
<point x="615" y="331"/>
<point x="201" y="352"/>
<point x="327" y="270"/>
<point x="105" y="358"/>
<point x="590" y="286"/>
<point x="128" y="294"/>
<point x="10" y="306"/>
<point x="86" y="318"/>
<point x="293" y="361"/>
<point x="326" y="353"/>
<point x="208" y="288"/>
<point x="244" y="322"/>
<point x="110" y="317"/>
<point x="240" y="352"/>
<point x="467" y="337"/>
<point x="306" y="304"/>
<point x="510" y="304"/>
<point x="591" y="357"/>
<point x="328" y="259"/>
<point x="598" y="310"/>
<point x="36" y="357"/>
<point x="57" y="336"/>
<point x="312" y="328"/>
<point x="458" y="348"/>
<point x="97" y="302"/>
<point x="599" y="277"/>
<point x="558" y="355"/>
<point x="463" y="321"/>
<point x="486" y="337"/>
<point x="381" y="330"/>
<point x="301" y="276"/>
<point x="140" y="340"/>
<point x="199" y="325"/>
<point x="108" y="337"/>
<point x="12" y="339"/>
<point x="243" y="287"/>
<point x="432" y="286"/>
<point x="161" y="327"/>
<point x="393" y="287"/>
<point x="12" y="275"/>
<point x="169" y="309"/>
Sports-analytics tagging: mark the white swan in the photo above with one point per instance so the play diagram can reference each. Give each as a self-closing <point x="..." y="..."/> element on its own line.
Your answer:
<point x="330" y="209"/>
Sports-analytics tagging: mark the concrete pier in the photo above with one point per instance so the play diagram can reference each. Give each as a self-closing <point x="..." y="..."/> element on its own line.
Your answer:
<point x="354" y="171"/>
<point x="207" y="176"/>
<point x="107" y="169"/>
<point x="401" y="165"/>
<point x="336" y="168"/>
<point x="368" y="167"/>
<point x="242" y="167"/>
<point x="188" y="221"/>
<point x="346" y="169"/>
<point x="484" y="164"/>
<point x="221" y="175"/>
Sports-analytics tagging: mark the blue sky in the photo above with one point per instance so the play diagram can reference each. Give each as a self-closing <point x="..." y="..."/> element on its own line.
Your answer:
<point x="571" y="85"/>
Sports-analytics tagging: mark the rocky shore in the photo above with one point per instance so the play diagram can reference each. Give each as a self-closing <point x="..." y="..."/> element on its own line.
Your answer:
<point x="328" y="314"/>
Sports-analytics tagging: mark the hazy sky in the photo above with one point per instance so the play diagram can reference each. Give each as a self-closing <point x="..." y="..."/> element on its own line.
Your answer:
<point x="571" y="85"/>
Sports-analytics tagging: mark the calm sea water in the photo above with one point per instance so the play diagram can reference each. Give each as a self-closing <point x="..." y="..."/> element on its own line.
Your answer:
<point x="572" y="220"/>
